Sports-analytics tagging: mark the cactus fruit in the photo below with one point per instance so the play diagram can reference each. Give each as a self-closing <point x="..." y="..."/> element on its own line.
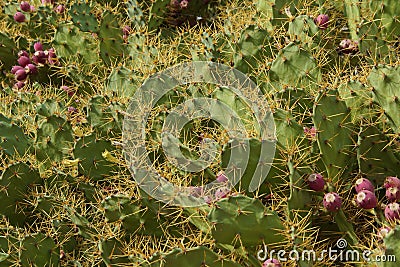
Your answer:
<point x="25" y="6"/>
<point x="19" y="17"/>
<point x="384" y="231"/>
<point x="364" y="184"/>
<point x="38" y="46"/>
<point x="332" y="201"/>
<point x="393" y="193"/>
<point x="348" y="46"/>
<point x="271" y="263"/>
<point x="392" y="181"/>
<point x="322" y="21"/>
<point x="20" y="75"/>
<point x="316" y="182"/>
<point x="366" y="199"/>
<point x="60" y="9"/>
<point x="392" y="211"/>
<point x="23" y="61"/>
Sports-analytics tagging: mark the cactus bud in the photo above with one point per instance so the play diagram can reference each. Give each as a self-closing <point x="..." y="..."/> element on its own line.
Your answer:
<point x="392" y="211"/>
<point x="19" y="85"/>
<point x="221" y="177"/>
<point x="23" y="53"/>
<point x="19" y="17"/>
<point x="25" y="6"/>
<point x="383" y="231"/>
<point x="20" y="75"/>
<point x="271" y="263"/>
<point x="32" y="69"/>
<point x="332" y="201"/>
<point x="60" y="9"/>
<point x="221" y="192"/>
<point x="322" y="21"/>
<point x="364" y="184"/>
<point x="316" y="182"/>
<point x="23" y="61"/>
<point x="391" y="181"/>
<point x="184" y="4"/>
<point x="14" y="69"/>
<point x="366" y="199"/>
<point x="393" y="193"/>
<point x="38" y="46"/>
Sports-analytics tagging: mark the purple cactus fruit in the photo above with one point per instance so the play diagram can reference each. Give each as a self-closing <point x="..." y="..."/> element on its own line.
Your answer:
<point x="316" y="182"/>
<point x="39" y="57"/>
<point x="23" y="61"/>
<point x="392" y="211"/>
<point x="23" y="53"/>
<point x="19" y="17"/>
<point x="221" y="177"/>
<point x="344" y="44"/>
<point x="391" y="181"/>
<point x="60" y="9"/>
<point x="271" y="263"/>
<point x="393" y="193"/>
<point x="25" y="6"/>
<point x="366" y="199"/>
<point x="20" y="75"/>
<point x="31" y="69"/>
<point x="221" y="192"/>
<point x="208" y="199"/>
<point x="126" y="30"/>
<point x="322" y="21"/>
<point x="38" y="46"/>
<point x="51" y="57"/>
<point x="332" y="201"/>
<point x="383" y="231"/>
<point x="184" y="4"/>
<point x="310" y="132"/>
<point x="364" y="184"/>
<point x="33" y="8"/>
<point x="19" y="85"/>
<point x="14" y="69"/>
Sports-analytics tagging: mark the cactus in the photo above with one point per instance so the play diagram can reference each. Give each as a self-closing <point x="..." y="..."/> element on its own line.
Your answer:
<point x="391" y="242"/>
<point x="371" y="143"/>
<point x="386" y="93"/>
<point x="70" y="43"/>
<point x="253" y="47"/>
<point x="82" y="17"/>
<point x="112" y="252"/>
<point x="54" y="139"/>
<point x="245" y="218"/>
<point x="17" y="179"/>
<point x="7" y="51"/>
<point x="304" y="29"/>
<point x="12" y="138"/>
<point x="277" y="11"/>
<point x="295" y="66"/>
<point x="104" y="117"/>
<point x="334" y="133"/>
<point x="120" y="83"/>
<point x="111" y="45"/>
<point x="89" y="150"/>
<point x="193" y="257"/>
<point x="135" y="13"/>
<point x="39" y="250"/>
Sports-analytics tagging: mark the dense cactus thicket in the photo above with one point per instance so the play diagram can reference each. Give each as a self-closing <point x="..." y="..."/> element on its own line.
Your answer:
<point x="327" y="69"/>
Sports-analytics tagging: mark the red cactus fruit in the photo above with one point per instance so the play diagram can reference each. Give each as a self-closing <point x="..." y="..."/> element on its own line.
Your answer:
<point x="366" y="199"/>
<point x="332" y="201"/>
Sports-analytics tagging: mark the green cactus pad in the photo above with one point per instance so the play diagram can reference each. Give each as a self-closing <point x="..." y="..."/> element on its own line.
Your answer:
<point x="274" y="10"/>
<point x="105" y="117"/>
<point x="303" y="28"/>
<point x="392" y="249"/>
<point x="332" y="121"/>
<point x="89" y="150"/>
<point x="120" y="83"/>
<point x="12" y="138"/>
<point x="70" y="43"/>
<point x="253" y="48"/>
<point x="82" y="17"/>
<point x="193" y="257"/>
<point x="375" y="155"/>
<point x="112" y="252"/>
<point x="386" y="92"/>
<point x="8" y="51"/>
<point x="295" y="66"/>
<point x="54" y="139"/>
<point x="111" y="41"/>
<point x="245" y="218"/>
<point x="16" y="179"/>
<point x="39" y="250"/>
